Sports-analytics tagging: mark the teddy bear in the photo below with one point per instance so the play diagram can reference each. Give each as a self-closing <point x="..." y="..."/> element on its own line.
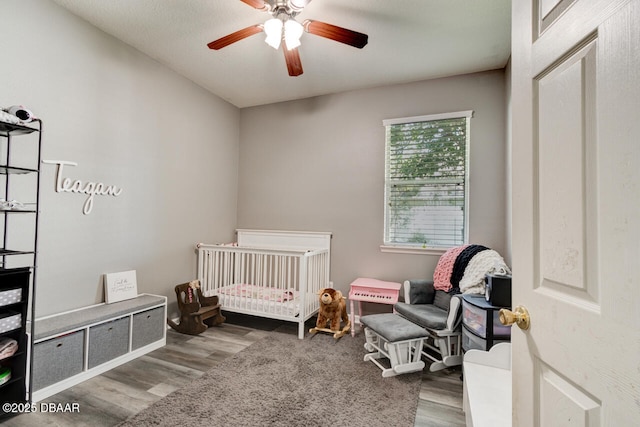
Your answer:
<point x="333" y="309"/>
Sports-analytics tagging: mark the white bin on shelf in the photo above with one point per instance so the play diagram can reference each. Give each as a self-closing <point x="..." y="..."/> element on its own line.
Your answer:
<point x="10" y="321"/>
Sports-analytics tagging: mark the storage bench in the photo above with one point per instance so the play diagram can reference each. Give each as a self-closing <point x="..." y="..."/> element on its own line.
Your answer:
<point x="74" y="346"/>
<point x="395" y="338"/>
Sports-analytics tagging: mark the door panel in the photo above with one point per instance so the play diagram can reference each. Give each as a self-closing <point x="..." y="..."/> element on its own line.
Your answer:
<point x="576" y="211"/>
<point x="549" y="11"/>
<point x="565" y="170"/>
<point x="564" y="403"/>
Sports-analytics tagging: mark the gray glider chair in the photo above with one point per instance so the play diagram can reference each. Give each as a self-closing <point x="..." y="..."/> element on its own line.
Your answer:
<point x="440" y="314"/>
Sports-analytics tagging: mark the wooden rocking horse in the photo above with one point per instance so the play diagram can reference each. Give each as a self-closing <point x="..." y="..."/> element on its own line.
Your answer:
<point x="197" y="312"/>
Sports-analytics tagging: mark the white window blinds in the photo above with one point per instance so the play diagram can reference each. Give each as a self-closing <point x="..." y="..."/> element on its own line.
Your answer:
<point x="426" y="180"/>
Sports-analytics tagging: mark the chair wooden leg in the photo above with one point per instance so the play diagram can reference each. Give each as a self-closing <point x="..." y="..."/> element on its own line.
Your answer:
<point x="188" y="325"/>
<point x="219" y="318"/>
<point x="196" y="326"/>
<point x="216" y="319"/>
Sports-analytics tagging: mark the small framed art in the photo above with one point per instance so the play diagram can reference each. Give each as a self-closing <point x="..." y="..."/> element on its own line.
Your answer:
<point x="120" y="286"/>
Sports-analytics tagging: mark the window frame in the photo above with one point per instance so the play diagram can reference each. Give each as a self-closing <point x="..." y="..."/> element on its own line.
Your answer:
<point x="414" y="248"/>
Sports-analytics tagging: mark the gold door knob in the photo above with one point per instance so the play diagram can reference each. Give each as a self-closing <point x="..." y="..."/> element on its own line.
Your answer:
<point x="519" y="316"/>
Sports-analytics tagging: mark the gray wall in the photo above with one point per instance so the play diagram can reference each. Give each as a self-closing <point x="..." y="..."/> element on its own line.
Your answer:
<point x="193" y="167"/>
<point x="318" y="164"/>
<point x="127" y="121"/>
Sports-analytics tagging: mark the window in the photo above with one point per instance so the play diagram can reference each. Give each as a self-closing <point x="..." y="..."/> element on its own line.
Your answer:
<point x="426" y="174"/>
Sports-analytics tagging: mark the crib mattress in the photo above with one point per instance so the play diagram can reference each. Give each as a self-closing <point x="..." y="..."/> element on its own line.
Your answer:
<point x="257" y="298"/>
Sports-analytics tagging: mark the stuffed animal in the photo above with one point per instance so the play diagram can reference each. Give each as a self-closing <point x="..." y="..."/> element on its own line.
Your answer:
<point x="333" y="309"/>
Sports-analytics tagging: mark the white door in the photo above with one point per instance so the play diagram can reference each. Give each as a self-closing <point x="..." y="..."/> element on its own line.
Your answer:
<point x="576" y="212"/>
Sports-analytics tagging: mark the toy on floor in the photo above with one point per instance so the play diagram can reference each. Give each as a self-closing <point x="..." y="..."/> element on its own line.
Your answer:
<point x="333" y="308"/>
<point x="197" y="312"/>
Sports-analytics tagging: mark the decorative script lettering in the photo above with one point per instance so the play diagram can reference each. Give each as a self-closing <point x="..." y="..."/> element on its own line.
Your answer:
<point x="66" y="185"/>
<point x="122" y="285"/>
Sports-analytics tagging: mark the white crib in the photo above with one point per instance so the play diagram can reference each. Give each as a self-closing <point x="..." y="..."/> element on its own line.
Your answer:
<point x="267" y="273"/>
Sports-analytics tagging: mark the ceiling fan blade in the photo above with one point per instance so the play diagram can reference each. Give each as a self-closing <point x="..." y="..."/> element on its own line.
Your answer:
<point x="339" y="34"/>
<point x="234" y="37"/>
<point x="258" y="4"/>
<point x="294" y="66"/>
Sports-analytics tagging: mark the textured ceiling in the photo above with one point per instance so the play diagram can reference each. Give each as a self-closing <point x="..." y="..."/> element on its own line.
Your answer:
<point x="409" y="40"/>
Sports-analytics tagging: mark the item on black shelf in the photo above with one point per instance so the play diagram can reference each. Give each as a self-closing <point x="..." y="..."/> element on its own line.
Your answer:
<point x="10" y="296"/>
<point x="8" y="347"/>
<point x="5" y="374"/>
<point x="10" y="321"/>
<point x="498" y="290"/>
<point x="21" y="112"/>
<point x="10" y="205"/>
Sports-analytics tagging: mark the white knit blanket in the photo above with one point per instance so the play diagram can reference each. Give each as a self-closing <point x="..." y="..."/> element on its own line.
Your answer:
<point x="485" y="262"/>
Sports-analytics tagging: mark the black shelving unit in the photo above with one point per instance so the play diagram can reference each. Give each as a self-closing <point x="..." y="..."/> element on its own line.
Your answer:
<point x="15" y="282"/>
<point x="20" y="148"/>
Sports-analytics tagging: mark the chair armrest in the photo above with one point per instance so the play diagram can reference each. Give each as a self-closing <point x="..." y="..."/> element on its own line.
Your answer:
<point x="419" y="291"/>
<point x="208" y="301"/>
<point x="454" y="318"/>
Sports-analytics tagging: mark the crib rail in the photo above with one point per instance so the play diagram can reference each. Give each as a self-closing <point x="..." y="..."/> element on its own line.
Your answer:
<point x="278" y="273"/>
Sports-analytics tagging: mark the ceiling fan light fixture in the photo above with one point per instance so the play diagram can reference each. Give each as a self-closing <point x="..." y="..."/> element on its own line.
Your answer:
<point x="273" y="30"/>
<point x="292" y="32"/>
<point x="283" y="26"/>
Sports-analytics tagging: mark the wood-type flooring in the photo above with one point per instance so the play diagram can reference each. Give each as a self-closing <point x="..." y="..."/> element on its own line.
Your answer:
<point x="113" y="396"/>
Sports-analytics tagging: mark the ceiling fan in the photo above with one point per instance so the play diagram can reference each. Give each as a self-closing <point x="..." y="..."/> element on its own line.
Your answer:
<point x="283" y="27"/>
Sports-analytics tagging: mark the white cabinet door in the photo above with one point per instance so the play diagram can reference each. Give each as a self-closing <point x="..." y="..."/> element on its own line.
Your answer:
<point x="576" y="211"/>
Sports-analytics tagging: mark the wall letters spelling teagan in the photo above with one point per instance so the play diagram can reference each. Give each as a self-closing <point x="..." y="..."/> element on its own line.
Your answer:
<point x="66" y="185"/>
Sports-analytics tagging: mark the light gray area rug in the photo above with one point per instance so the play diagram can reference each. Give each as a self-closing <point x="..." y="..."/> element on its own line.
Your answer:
<point x="283" y="381"/>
